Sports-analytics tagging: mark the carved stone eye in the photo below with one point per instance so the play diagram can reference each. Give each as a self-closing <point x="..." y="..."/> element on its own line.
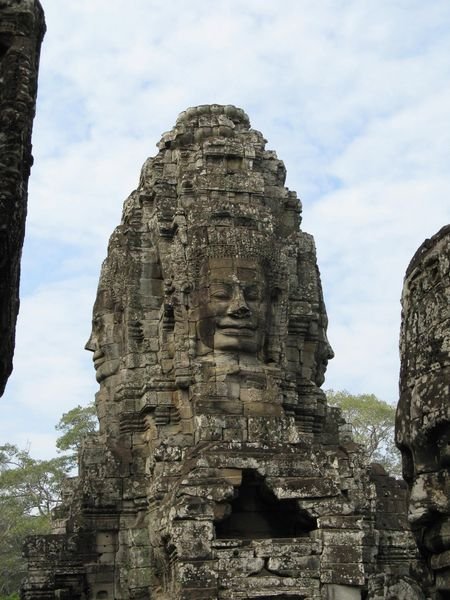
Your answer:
<point x="221" y="292"/>
<point x="445" y="456"/>
<point x="252" y="294"/>
<point x="221" y="295"/>
<point x="443" y="446"/>
<point x="437" y="446"/>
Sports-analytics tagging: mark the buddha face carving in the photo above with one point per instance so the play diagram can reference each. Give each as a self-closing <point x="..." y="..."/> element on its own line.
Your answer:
<point x="423" y="414"/>
<point x="425" y="444"/>
<point x="104" y="338"/>
<point x="232" y="305"/>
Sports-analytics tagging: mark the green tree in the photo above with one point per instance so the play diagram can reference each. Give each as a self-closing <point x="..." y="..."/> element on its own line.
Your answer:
<point x="15" y="526"/>
<point x="74" y="425"/>
<point x="372" y="421"/>
<point x="30" y="489"/>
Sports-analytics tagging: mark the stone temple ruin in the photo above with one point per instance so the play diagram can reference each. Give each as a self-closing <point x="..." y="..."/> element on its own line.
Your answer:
<point x="22" y="28"/>
<point x="423" y="414"/>
<point x="219" y="471"/>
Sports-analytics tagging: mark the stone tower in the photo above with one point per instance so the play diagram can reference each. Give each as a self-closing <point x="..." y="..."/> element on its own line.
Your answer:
<point x="219" y="471"/>
<point x="22" y="28"/>
<point x="423" y="414"/>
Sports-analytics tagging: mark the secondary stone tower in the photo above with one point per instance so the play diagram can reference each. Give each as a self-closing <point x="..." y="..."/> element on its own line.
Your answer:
<point x="423" y="414"/>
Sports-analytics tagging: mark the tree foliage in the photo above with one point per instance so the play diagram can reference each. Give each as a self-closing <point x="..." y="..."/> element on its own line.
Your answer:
<point x="372" y="421"/>
<point x="33" y="483"/>
<point x="74" y="425"/>
<point x="30" y="489"/>
<point x="15" y="526"/>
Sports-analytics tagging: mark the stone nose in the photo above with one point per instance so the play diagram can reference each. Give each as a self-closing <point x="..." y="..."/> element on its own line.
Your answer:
<point x="330" y="351"/>
<point x="426" y="500"/>
<point x="90" y="344"/>
<point x="418" y="502"/>
<point x="238" y="306"/>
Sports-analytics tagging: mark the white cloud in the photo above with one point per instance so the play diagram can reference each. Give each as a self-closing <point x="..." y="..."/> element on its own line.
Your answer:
<point x="353" y="97"/>
<point x="366" y="236"/>
<point x="364" y="341"/>
<point x="40" y="445"/>
<point x="52" y="371"/>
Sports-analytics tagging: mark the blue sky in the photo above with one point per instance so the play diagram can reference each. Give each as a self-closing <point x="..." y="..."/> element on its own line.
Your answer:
<point x="353" y="96"/>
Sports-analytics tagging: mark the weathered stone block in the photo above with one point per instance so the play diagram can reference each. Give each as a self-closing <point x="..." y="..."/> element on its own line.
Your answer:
<point x="139" y="577"/>
<point x="197" y="574"/>
<point x="343" y="592"/>
<point x="303" y="487"/>
<point x="350" y="574"/>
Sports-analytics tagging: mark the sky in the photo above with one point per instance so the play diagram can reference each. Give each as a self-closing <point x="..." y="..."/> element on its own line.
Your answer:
<point x="353" y="96"/>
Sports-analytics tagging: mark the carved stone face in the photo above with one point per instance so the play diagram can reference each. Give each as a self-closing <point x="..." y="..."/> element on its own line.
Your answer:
<point x="232" y="305"/>
<point x="423" y="414"/>
<point x="425" y="437"/>
<point x="426" y="468"/>
<point x="104" y="339"/>
<point x="324" y="354"/>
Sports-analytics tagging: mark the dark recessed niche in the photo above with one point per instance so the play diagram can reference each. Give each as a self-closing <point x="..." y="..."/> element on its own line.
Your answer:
<point x="4" y="47"/>
<point x="256" y="513"/>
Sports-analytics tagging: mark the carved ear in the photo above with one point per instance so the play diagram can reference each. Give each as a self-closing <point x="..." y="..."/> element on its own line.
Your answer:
<point x="272" y="340"/>
<point x="179" y="312"/>
<point x="275" y="293"/>
<point x="185" y="291"/>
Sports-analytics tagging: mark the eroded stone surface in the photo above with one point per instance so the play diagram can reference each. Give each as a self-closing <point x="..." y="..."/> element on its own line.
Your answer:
<point x="22" y="28"/>
<point x="423" y="415"/>
<point x="219" y="470"/>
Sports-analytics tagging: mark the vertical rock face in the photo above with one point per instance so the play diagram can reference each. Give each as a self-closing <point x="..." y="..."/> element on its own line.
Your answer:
<point x="22" y="28"/>
<point x="218" y="471"/>
<point x="423" y="415"/>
